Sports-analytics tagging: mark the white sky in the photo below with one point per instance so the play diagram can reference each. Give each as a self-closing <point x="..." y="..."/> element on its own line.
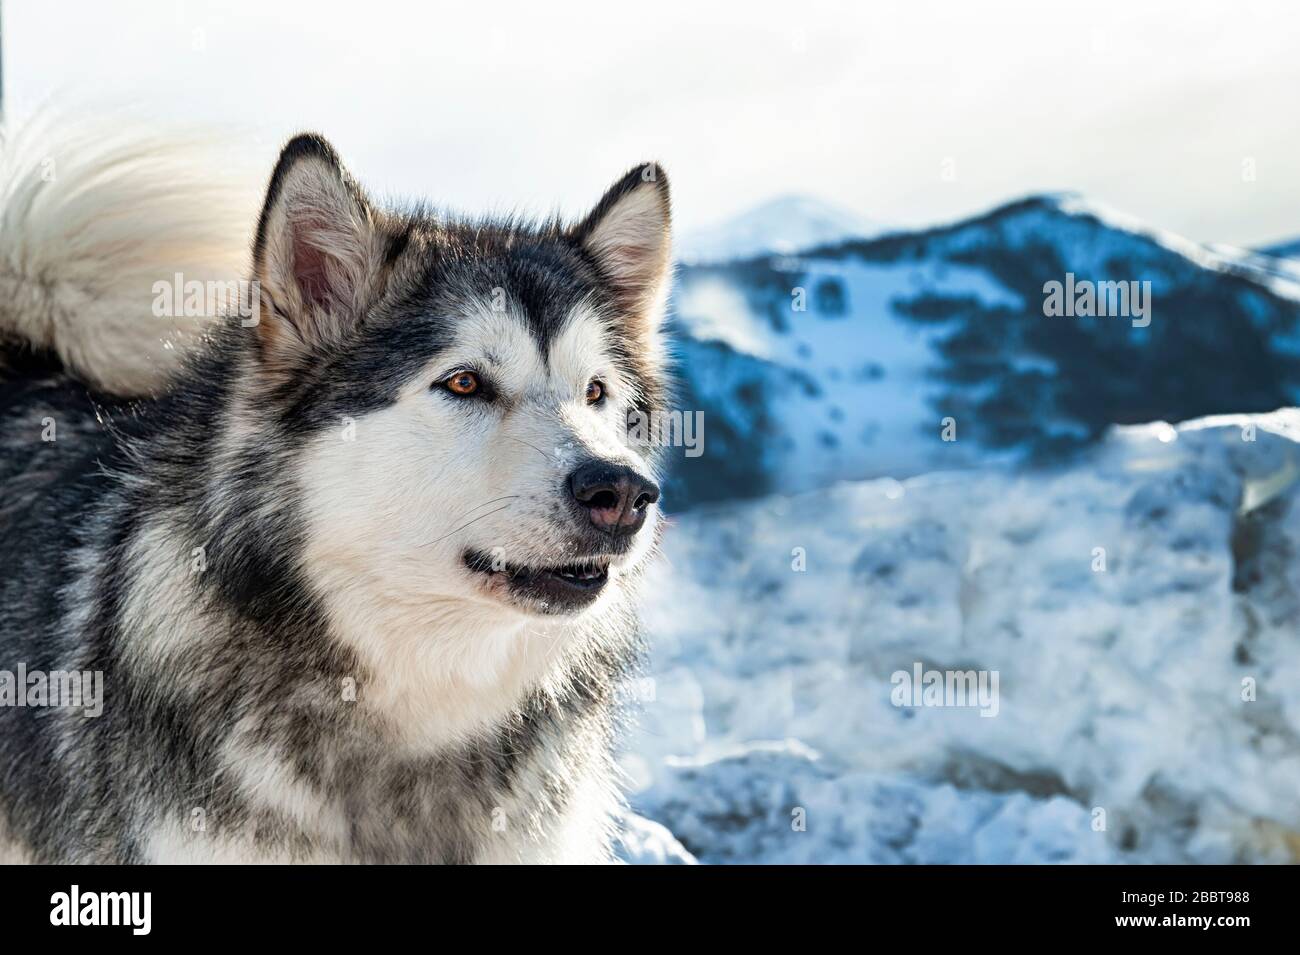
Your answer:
<point x="1150" y="106"/>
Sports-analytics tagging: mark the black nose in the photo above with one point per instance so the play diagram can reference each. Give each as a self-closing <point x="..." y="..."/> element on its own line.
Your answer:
<point x="614" y="496"/>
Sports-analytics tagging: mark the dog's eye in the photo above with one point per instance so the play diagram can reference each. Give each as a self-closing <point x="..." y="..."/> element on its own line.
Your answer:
<point x="463" y="383"/>
<point x="595" y="392"/>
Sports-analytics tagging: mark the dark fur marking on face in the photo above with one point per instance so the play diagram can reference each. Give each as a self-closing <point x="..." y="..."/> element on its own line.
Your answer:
<point x="258" y="672"/>
<point x="540" y="274"/>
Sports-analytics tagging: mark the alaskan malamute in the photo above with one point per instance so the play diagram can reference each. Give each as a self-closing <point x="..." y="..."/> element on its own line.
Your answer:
<point x="354" y="566"/>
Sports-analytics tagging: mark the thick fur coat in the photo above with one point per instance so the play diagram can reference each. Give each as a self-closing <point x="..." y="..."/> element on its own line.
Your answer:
<point x="357" y="561"/>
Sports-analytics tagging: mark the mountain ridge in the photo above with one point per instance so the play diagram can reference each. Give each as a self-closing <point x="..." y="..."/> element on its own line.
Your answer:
<point x="781" y="225"/>
<point x="845" y="360"/>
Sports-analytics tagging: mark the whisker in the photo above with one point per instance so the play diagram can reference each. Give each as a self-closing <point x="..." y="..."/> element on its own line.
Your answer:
<point x="533" y="446"/>
<point x="498" y="510"/>
<point x="494" y="500"/>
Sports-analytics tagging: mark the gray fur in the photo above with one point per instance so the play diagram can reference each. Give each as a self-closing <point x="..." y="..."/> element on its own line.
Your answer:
<point x="242" y="720"/>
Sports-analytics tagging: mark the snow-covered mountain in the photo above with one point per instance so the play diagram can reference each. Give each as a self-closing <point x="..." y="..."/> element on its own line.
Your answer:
<point x="1140" y="609"/>
<point x="857" y="358"/>
<point x="1284" y="250"/>
<point x="784" y="225"/>
<point x="1138" y="600"/>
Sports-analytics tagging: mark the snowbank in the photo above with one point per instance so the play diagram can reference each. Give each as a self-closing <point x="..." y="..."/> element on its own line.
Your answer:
<point x="1140" y="611"/>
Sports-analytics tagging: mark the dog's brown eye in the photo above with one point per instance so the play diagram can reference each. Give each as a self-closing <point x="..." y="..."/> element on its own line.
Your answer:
<point x="595" y="391"/>
<point x="462" y="383"/>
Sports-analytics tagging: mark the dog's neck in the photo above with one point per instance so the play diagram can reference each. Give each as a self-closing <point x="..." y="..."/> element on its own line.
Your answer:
<point x="440" y="672"/>
<point x="435" y="670"/>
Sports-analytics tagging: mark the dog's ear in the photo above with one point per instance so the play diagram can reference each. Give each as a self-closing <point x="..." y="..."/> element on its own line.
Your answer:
<point x="317" y="257"/>
<point x="629" y="235"/>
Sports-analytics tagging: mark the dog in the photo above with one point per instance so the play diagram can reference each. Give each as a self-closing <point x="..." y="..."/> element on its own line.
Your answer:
<point x="356" y="560"/>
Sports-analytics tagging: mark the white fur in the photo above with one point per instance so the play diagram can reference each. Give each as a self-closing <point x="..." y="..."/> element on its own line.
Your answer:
<point x="395" y="498"/>
<point x="633" y="243"/>
<point x="90" y="219"/>
<point x="632" y="239"/>
<point x="315" y="210"/>
<point x="12" y="852"/>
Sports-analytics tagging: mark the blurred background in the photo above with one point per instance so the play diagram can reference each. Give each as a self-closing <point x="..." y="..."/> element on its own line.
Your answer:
<point x="904" y="461"/>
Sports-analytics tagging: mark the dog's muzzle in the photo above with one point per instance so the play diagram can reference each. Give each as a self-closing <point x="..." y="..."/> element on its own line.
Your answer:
<point x="613" y="497"/>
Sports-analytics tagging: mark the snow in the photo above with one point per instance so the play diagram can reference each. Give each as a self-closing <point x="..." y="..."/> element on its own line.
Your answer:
<point x="784" y="225"/>
<point x="873" y="372"/>
<point x="1281" y="278"/>
<point x="843" y="362"/>
<point x="645" y="842"/>
<point x="1139" y="608"/>
<point x="1284" y="250"/>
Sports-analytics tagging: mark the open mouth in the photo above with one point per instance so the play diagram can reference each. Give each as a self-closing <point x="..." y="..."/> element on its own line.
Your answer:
<point x="557" y="589"/>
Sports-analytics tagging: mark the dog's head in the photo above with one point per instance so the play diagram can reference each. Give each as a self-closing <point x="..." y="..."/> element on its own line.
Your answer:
<point x="463" y="389"/>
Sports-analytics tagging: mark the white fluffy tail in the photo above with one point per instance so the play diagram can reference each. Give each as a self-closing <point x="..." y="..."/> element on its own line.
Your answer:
<point x="91" y="219"/>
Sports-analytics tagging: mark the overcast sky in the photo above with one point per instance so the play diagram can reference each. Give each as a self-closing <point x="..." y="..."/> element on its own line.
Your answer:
<point x="1182" y="113"/>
